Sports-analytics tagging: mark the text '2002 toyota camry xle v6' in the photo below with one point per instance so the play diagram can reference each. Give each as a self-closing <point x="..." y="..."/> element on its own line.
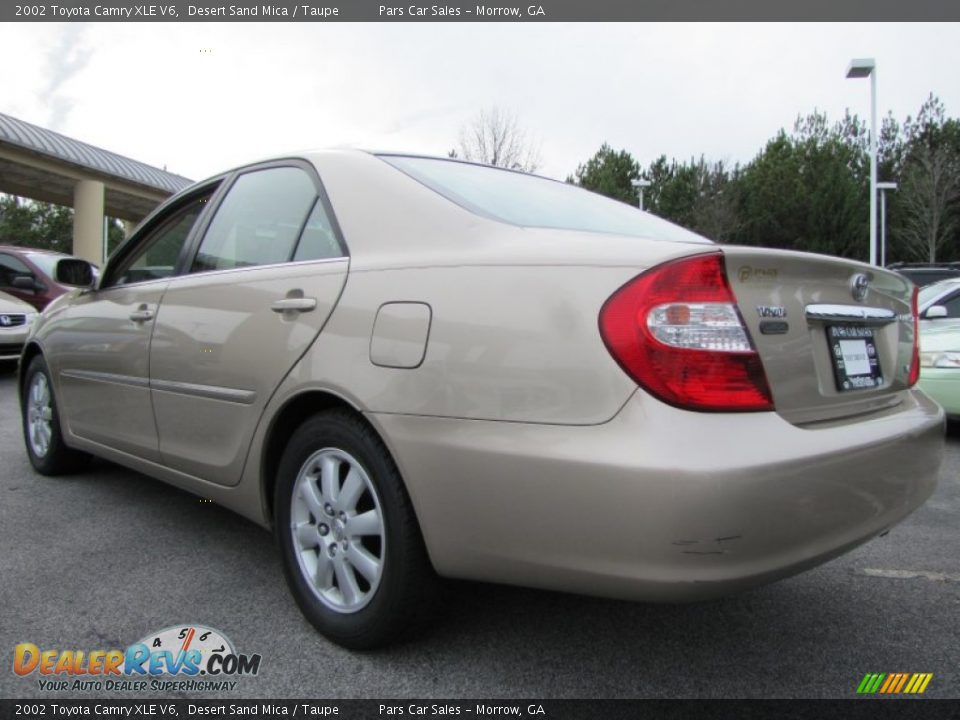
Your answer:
<point x="416" y="367"/>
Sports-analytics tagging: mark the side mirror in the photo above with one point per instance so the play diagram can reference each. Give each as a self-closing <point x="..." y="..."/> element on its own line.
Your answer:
<point x="27" y="282"/>
<point x="934" y="312"/>
<point x="73" y="271"/>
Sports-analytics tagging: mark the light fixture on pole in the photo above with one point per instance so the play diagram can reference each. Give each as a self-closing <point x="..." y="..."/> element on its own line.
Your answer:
<point x="883" y="187"/>
<point x="640" y="185"/>
<point x="861" y="68"/>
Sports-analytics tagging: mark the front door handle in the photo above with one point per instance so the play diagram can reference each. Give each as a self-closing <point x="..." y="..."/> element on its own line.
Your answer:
<point x="141" y="314"/>
<point x="294" y="305"/>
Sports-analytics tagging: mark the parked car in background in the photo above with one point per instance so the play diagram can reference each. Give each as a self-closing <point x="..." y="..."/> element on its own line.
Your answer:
<point x="30" y="274"/>
<point x="922" y="274"/>
<point x="413" y="366"/>
<point x="939" y="301"/>
<point x="940" y="365"/>
<point x="16" y="319"/>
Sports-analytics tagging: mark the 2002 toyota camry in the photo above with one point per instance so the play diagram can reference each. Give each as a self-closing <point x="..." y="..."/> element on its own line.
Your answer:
<point x="412" y="367"/>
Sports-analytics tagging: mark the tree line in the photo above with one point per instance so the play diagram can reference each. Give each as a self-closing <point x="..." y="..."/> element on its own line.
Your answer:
<point x="35" y="224"/>
<point x="809" y="189"/>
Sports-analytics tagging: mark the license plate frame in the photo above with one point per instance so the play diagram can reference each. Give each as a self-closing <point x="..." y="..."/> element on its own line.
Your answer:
<point x="854" y="357"/>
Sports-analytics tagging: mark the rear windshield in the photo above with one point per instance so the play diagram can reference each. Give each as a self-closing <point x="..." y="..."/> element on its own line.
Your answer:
<point x="532" y="201"/>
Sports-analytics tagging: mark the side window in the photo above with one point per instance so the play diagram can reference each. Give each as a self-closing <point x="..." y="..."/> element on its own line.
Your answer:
<point x="318" y="241"/>
<point x="952" y="305"/>
<point x="11" y="267"/>
<point x="157" y="253"/>
<point x="259" y="220"/>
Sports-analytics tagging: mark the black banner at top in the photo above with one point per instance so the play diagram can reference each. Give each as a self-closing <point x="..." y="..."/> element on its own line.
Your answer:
<point x="405" y="709"/>
<point x="478" y="11"/>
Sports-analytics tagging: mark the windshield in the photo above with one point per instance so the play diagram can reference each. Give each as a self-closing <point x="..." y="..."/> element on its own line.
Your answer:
<point x="929" y="294"/>
<point x="532" y="201"/>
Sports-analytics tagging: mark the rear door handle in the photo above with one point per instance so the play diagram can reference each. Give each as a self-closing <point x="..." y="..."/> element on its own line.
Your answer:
<point x="294" y="305"/>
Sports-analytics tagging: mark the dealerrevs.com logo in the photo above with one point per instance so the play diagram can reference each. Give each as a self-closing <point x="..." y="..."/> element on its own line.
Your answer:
<point x="180" y="658"/>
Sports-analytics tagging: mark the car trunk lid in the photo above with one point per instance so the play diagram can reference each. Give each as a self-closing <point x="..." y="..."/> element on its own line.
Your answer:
<point x="835" y="336"/>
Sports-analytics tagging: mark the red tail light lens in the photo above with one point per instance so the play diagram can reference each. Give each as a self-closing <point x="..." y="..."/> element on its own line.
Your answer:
<point x="915" y="357"/>
<point x="676" y="331"/>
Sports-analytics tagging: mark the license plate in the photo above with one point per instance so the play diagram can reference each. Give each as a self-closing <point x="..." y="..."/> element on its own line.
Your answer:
<point x="856" y="365"/>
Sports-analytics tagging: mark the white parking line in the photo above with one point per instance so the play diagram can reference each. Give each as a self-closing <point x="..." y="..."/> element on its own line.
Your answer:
<point x="910" y="574"/>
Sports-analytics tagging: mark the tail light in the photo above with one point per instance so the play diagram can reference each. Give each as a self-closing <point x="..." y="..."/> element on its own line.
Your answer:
<point x="915" y="356"/>
<point x="676" y="331"/>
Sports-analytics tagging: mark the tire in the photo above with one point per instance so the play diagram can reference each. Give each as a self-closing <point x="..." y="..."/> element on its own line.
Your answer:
<point x="42" y="435"/>
<point x="351" y="546"/>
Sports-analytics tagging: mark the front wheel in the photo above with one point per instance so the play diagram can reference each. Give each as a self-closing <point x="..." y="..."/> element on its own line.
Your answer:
<point x="46" y="449"/>
<point x="351" y="546"/>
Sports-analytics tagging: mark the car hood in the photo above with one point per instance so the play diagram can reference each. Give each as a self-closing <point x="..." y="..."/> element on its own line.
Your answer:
<point x="10" y="304"/>
<point x="940" y="335"/>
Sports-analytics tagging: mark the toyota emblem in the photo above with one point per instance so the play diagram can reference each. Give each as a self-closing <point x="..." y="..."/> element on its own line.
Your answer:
<point x="858" y="286"/>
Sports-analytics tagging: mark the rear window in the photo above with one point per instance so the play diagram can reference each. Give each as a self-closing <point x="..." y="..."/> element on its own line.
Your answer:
<point x="532" y="201"/>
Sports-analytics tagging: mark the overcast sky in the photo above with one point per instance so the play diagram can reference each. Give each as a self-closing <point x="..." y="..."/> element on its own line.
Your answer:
<point x="198" y="97"/>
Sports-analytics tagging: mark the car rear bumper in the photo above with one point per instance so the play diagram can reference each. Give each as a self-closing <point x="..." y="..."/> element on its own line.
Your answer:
<point x="660" y="503"/>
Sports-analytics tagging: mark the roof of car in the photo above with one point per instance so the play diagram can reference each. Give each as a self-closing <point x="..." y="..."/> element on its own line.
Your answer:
<point x="21" y="248"/>
<point x="945" y="281"/>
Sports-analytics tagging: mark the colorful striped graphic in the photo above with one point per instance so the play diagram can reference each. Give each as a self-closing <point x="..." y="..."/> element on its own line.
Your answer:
<point x="894" y="683"/>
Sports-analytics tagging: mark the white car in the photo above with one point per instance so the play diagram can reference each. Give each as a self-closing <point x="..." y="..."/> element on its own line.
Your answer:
<point x="16" y="317"/>
<point x="939" y="301"/>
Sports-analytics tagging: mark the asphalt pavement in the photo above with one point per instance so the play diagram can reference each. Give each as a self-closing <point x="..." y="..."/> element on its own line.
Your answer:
<point x="100" y="560"/>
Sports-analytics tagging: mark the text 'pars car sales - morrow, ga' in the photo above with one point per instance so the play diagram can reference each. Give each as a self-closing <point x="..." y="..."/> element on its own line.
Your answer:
<point x="479" y="11"/>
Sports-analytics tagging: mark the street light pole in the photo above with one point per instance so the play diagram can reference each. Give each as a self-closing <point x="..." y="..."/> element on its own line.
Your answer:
<point x="883" y="187"/>
<point x="640" y="185"/>
<point x="873" y="166"/>
<point x="861" y="68"/>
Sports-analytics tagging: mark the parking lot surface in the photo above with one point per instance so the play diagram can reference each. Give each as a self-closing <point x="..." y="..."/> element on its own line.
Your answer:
<point x="102" y="559"/>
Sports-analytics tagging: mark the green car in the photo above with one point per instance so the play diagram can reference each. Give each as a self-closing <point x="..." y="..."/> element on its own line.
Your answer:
<point x="940" y="364"/>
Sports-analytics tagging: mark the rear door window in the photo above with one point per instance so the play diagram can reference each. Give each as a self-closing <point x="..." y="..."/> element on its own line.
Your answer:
<point x="318" y="241"/>
<point x="259" y="220"/>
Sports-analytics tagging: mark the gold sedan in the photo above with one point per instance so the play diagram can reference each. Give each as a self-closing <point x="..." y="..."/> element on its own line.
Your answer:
<point x="416" y="367"/>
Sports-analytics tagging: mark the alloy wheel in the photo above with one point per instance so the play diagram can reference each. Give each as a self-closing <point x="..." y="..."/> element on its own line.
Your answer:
<point x="39" y="415"/>
<point x="337" y="527"/>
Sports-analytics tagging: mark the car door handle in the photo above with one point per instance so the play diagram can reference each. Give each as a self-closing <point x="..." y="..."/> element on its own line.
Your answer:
<point x="294" y="305"/>
<point x="141" y="315"/>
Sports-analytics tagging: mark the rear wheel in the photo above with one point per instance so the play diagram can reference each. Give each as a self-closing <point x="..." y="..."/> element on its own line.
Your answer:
<point x="46" y="449"/>
<point x="351" y="546"/>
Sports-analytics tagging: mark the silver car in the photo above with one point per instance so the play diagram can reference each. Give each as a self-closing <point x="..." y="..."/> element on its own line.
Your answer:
<point x="415" y="367"/>
<point x="16" y="317"/>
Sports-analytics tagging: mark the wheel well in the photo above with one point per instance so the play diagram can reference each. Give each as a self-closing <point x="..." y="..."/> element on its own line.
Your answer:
<point x="293" y="414"/>
<point x="29" y="353"/>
